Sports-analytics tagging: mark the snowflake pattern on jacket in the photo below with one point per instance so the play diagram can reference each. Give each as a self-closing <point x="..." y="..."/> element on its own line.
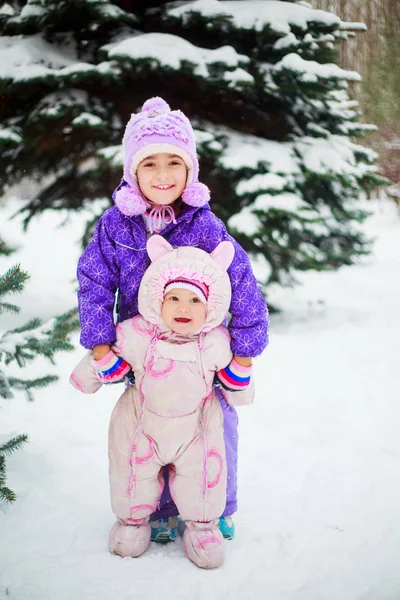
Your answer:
<point x="116" y="259"/>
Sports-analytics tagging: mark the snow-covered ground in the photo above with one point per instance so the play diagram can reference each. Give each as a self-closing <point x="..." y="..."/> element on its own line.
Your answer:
<point x="319" y="515"/>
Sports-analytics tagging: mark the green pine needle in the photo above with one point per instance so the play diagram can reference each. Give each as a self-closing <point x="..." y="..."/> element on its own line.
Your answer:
<point x="14" y="444"/>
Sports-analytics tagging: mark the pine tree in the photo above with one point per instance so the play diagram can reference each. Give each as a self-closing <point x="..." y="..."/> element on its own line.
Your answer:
<point x="21" y="345"/>
<point x="275" y="125"/>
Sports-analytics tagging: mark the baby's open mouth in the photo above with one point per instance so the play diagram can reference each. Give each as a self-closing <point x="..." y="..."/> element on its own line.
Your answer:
<point x="182" y="320"/>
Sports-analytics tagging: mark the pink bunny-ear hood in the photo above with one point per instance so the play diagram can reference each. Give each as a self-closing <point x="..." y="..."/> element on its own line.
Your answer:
<point x="157" y="246"/>
<point x="186" y="263"/>
<point x="223" y="254"/>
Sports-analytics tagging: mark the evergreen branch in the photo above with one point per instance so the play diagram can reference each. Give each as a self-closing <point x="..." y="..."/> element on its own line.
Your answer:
<point x="4" y="249"/>
<point x="6" y="495"/>
<point x="10" y="308"/>
<point x="28" y="326"/>
<point x="13" y="281"/>
<point x="36" y="339"/>
<point x="14" y="444"/>
<point x="5" y="389"/>
<point x="26" y="385"/>
<point x="6" y="449"/>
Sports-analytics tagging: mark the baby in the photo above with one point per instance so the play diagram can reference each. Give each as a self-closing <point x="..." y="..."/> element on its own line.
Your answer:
<point x="172" y="416"/>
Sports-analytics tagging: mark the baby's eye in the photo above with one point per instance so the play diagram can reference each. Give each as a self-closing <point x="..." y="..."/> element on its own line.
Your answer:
<point x="195" y="300"/>
<point x="174" y="298"/>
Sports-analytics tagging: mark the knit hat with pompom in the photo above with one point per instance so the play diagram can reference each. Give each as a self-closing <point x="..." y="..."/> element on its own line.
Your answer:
<point x="156" y="129"/>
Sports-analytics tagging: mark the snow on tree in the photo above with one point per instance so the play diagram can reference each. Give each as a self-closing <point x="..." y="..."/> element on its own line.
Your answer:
<point x="275" y="126"/>
<point x="21" y="346"/>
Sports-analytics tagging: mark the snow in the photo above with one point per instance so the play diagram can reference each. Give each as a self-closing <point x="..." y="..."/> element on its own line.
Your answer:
<point x="8" y="134"/>
<point x="23" y="57"/>
<point x="353" y="26"/>
<point x="319" y="451"/>
<point x="30" y="57"/>
<point x="261" y="181"/>
<point x="248" y="223"/>
<point x="335" y="154"/>
<point x="311" y="71"/>
<point x="87" y="119"/>
<point x="257" y="14"/>
<point x="170" y="51"/>
<point x="6" y="9"/>
<point x="31" y="10"/>
<point x="250" y="151"/>
<point x="113" y="154"/>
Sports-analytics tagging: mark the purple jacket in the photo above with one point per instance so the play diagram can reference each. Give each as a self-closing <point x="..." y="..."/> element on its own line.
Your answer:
<point x="116" y="259"/>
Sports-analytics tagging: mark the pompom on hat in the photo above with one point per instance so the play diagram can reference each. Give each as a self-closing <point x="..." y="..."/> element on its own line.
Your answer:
<point x="156" y="129"/>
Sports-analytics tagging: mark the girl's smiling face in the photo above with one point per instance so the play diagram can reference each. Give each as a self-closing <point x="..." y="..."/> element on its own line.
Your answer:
<point x="183" y="312"/>
<point x="162" y="178"/>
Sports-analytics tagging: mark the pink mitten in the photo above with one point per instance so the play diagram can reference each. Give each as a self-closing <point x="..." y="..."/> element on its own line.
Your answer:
<point x="111" y="368"/>
<point x="234" y="377"/>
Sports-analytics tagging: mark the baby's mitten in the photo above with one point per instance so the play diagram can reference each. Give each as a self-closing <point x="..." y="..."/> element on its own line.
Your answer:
<point x="111" y="368"/>
<point x="235" y="377"/>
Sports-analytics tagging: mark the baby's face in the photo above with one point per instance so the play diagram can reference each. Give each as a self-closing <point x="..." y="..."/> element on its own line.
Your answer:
<point x="162" y="178"/>
<point x="183" y="312"/>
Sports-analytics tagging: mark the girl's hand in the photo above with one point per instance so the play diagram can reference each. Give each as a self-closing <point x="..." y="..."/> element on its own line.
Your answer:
<point x="100" y="351"/>
<point x="244" y="361"/>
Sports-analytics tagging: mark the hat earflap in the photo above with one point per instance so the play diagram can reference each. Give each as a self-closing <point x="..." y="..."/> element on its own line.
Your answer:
<point x="130" y="200"/>
<point x="196" y="194"/>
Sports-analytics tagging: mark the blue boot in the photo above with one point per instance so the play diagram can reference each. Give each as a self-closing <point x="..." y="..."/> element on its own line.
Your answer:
<point x="164" y="530"/>
<point x="227" y="527"/>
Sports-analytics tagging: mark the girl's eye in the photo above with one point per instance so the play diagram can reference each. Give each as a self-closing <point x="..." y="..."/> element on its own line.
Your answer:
<point x="175" y="162"/>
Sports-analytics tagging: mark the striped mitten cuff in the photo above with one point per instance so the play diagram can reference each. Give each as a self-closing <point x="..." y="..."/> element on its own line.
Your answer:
<point x="234" y="377"/>
<point x="111" y="368"/>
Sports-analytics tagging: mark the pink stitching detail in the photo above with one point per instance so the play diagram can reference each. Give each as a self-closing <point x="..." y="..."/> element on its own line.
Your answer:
<point x="215" y="454"/>
<point x="159" y="374"/>
<point x="225" y="332"/>
<point x="208" y="397"/>
<point x="140" y="460"/>
<point x="119" y="345"/>
<point x="132" y="463"/>
<point x="77" y="382"/>
<point x="138" y="507"/>
<point x="205" y="454"/>
<point x="135" y="324"/>
<point x="211" y="539"/>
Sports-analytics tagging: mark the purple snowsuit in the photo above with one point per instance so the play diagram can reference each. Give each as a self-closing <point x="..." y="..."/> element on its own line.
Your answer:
<point x="115" y="261"/>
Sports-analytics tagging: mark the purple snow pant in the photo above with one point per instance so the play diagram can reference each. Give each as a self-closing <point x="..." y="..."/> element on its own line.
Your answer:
<point x="167" y="505"/>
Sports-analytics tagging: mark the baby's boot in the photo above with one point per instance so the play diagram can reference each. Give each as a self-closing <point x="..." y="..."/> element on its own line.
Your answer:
<point x="164" y="530"/>
<point x="129" y="540"/>
<point x="204" y="544"/>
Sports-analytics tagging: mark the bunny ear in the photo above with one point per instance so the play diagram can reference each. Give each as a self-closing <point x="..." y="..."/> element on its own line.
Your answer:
<point x="223" y="254"/>
<point x="157" y="246"/>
